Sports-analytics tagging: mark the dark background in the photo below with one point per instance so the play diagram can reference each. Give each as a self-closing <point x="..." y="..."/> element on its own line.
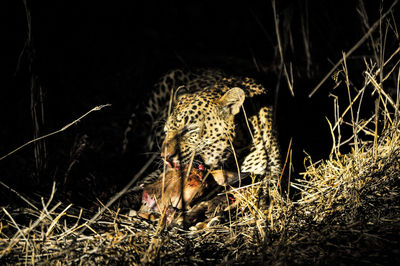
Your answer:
<point x="90" y="53"/>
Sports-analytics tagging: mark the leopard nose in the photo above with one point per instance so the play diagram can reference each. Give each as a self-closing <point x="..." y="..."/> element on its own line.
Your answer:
<point x="167" y="150"/>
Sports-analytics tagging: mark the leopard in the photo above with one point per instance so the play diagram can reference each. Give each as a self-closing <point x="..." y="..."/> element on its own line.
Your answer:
<point x="219" y="120"/>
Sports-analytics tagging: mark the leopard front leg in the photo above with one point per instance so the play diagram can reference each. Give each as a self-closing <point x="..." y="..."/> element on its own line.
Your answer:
<point x="264" y="157"/>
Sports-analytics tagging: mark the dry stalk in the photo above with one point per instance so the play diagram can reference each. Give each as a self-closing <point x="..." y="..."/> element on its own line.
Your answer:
<point x="97" y="108"/>
<point x="355" y="47"/>
<point x="289" y="79"/>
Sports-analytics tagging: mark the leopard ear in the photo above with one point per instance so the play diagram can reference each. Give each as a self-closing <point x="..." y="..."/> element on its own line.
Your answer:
<point x="232" y="100"/>
<point x="181" y="90"/>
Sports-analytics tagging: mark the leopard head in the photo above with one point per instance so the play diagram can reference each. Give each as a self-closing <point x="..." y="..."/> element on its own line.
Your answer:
<point x="201" y="124"/>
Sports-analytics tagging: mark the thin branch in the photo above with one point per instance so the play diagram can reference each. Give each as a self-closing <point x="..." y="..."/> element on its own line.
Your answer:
<point x="355" y="47"/>
<point x="97" y="108"/>
<point x="19" y="195"/>
<point x="278" y="38"/>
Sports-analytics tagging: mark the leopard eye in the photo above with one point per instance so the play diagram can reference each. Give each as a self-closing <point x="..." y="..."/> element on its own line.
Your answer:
<point x="189" y="129"/>
<point x="193" y="128"/>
